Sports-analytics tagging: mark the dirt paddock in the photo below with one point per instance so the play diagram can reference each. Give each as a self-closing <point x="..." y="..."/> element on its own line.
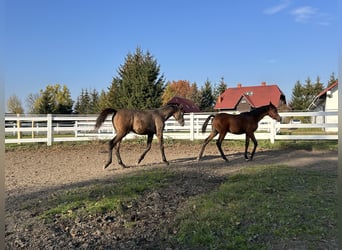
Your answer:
<point x="35" y="174"/>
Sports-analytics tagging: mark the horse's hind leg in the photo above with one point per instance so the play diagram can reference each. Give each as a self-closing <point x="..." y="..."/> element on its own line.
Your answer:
<point x="117" y="152"/>
<point x="115" y="142"/>
<point x="206" y="141"/>
<point x="219" y="143"/>
<point x="110" y="151"/>
<point x="149" y="142"/>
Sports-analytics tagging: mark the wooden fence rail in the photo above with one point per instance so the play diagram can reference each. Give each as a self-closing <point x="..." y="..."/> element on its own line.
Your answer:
<point x="57" y="128"/>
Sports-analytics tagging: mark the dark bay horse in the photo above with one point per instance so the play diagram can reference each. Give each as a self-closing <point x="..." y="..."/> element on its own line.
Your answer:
<point x="142" y="122"/>
<point x="244" y="123"/>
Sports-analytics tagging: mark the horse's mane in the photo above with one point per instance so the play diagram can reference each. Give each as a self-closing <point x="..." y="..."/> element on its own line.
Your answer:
<point x="257" y="110"/>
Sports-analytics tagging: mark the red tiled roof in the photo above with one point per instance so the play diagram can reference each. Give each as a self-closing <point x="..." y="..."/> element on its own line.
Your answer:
<point x="256" y="96"/>
<point x="188" y="105"/>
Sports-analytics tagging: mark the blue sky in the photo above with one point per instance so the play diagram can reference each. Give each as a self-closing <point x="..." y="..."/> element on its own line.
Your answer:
<point x="82" y="43"/>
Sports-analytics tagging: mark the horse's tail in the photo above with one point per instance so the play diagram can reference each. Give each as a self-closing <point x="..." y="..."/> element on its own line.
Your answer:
<point x="205" y="124"/>
<point x="103" y="115"/>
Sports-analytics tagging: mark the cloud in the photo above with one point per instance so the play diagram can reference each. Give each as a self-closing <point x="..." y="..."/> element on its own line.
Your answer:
<point x="277" y="8"/>
<point x="304" y="14"/>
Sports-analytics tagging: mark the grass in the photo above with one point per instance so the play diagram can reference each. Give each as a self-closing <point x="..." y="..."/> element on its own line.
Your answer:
<point x="103" y="197"/>
<point x="261" y="207"/>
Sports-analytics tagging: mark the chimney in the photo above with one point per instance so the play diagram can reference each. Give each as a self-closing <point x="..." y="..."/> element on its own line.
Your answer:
<point x="239" y="85"/>
<point x="263" y="84"/>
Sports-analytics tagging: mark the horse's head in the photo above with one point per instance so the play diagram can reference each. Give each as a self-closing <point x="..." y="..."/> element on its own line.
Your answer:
<point x="273" y="112"/>
<point x="179" y="114"/>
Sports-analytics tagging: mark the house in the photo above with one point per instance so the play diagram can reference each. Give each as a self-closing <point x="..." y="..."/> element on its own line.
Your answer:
<point x="188" y="105"/>
<point x="327" y="101"/>
<point x="244" y="99"/>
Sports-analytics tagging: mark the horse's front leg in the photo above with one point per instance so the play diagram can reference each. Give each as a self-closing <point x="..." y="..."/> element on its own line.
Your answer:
<point x="161" y="146"/>
<point x="255" y="145"/>
<point x="149" y="142"/>
<point x="246" y="147"/>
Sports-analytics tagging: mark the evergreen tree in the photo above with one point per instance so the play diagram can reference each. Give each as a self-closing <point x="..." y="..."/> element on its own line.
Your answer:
<point x="318" y="86"/>
<point x="138" y="84"/>
<point x="87" y="102"/>
<point x="195" y="95"/>
<point x="219" y="89"/>
<point x="332" y="79"/>
<point x="207" y="98"/>
<point x="303" y="95"/>
<point x="297" y="97"/>
<point x="103" y="101"/>
<point x="94" y="100"/>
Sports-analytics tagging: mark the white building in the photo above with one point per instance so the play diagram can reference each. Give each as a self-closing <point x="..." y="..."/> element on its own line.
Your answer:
<point x="326" y="101"/>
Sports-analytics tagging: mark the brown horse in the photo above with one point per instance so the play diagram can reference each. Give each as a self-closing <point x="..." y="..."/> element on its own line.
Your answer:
<point x="244" y="123"/>
<point x="142" y="122"/>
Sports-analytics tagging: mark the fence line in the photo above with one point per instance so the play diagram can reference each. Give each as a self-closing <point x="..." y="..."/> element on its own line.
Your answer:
<point x="56" y="128"/>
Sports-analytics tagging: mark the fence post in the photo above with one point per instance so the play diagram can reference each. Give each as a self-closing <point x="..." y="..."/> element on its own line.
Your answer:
<point x="18" y="129"/>
<point x="191" y="126"/>
<point x="272" y="131"/>
<point x="49" y="133"/>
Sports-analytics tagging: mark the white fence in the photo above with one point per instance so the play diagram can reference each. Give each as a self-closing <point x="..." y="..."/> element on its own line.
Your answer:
<point x="56" y="128"/>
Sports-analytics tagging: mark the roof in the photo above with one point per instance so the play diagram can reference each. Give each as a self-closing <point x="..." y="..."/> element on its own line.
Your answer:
<point x="321" y="96"/>
<point x="188" y="105"/>
<point x="256" y="96"/>
<point x="327" y="89"/>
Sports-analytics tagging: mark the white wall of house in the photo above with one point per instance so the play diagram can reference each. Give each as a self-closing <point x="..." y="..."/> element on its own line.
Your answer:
<point x="331" y="104"/>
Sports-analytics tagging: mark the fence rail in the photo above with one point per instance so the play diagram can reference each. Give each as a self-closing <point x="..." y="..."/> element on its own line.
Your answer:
<point x="56" y="128"/>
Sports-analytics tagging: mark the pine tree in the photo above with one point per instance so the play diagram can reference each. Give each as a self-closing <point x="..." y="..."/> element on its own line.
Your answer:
<point x="297" y="97"/>
<point x="332" y="79"/>
<point x="219" y="89"/>
<point x="207" y="98"/>
<point x="138" y="84"/>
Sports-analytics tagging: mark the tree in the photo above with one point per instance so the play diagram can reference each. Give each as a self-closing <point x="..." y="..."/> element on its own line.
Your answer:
<point x="219" y="89"/>
<point x="138" y="84"/>
<point x="303" y="95"/>
<point x="87" y="102"/>
<point x="195" y="94"/>
<point x="30" y="102"/>
<point x="207" y="98"/>
<point x="179" y="88"/>
<point x="103" y="101"/>
<point x="332" y="79"/>
<point x="53" y="100"/>
<point x="297" y="97"/>
<point x="14" y="105"/>
<point x="317" y="87"/>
